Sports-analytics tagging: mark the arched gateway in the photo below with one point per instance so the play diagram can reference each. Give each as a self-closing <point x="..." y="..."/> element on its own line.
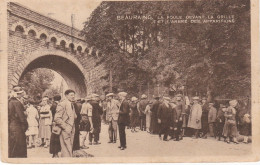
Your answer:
<point x="37" y="41"/>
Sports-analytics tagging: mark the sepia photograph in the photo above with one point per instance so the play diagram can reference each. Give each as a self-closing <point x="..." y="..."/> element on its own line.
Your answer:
<point x="129" y="81"/>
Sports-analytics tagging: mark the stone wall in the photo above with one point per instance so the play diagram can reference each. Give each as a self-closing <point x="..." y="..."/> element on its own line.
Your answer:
<point x="32" y="35"/>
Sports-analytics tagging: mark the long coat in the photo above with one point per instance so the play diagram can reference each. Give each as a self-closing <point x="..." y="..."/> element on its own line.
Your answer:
<point x="154" y="118"/>
<point x="17" y="126"/>
<point x="204" y="116"/>
<point x="65" y="118"/>
<point x="134" y="115"/>
<point x="124" y="118"/>
<point x="165" y="114"/>
<point x="195" y="114"/>
<point x="55" y="139"/>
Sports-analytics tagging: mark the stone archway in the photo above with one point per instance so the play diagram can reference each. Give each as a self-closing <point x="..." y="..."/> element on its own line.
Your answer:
<point x="68" y="67"/>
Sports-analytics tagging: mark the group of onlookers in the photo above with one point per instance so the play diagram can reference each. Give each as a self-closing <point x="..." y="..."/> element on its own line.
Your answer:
<point x="178" y="117"/>
<point x="64" y="124"/>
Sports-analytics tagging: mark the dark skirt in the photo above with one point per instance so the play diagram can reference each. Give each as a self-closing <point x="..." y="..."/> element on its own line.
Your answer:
<point x="154" y="124"/>
<point x="134" y="120"/>
<point x="55" y="144"/>
<point x="245" y="129"/>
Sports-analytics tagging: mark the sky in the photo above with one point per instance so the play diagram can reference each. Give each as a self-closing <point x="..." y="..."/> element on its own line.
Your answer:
<point x="61" y="11"/>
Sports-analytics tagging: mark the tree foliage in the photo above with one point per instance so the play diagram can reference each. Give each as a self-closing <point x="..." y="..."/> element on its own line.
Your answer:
<point x="208" y="59"/>
<point x="37" y="83"/>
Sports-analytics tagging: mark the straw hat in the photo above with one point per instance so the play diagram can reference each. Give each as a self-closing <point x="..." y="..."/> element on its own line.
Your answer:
<point x="143" y="96"/>
<point x="134" y="99"/>
<point x="123" y="94"/>
<point x="196" y="98"/>
<point x="110" y="94"/>
<point x="18" y="90"/>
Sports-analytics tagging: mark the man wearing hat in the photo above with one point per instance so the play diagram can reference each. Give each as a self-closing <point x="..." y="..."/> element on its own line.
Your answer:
<point x="96" y="119"/>
<point x="178" y="110"/>
<point x="230" y="127"/>
<point x="141" y="108"/>
<point x="123" y="118"/>
<point x="220" y="120"/>
<point x="212" y="119"/>
<point x="86" y="123"/>
<point x="194" y="121"/>
<point x="204" y="118"/>
<point x="165" y="119"/>
<point x="17" y="125"/>
<point x="112" y="117"/>
<point x="154" y="120"/>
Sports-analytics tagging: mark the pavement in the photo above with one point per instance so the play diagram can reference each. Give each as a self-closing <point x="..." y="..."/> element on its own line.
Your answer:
<point x="144" y="144"/>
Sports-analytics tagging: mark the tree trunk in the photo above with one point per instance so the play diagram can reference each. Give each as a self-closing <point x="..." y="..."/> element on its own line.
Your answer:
<point x="110" y="80"/>
<point x="209" y="91"/>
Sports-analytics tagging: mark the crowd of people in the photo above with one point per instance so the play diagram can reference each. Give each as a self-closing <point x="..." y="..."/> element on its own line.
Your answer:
<point x="66" y="124"/>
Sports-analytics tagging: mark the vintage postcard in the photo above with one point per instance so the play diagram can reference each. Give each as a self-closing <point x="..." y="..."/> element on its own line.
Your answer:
<point x="89" y="81"/>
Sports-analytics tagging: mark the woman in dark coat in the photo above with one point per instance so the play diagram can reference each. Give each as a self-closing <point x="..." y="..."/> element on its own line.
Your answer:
<point x="17" y="125"/>
<point x="204" y="118"/>
<point x="55" y="147"/>
<point x="134" y="115"/>
<point x="154" y="119"/>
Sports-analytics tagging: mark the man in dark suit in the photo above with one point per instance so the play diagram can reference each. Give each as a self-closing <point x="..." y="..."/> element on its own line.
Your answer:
<point x="165" y="118"/>
<point x="96" y="119"/>
<point x="154" y="110"/>
<point x="123" y="119"/>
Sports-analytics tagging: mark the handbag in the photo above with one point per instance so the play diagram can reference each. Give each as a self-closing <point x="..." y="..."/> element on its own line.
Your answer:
<point x="56" y="129"/>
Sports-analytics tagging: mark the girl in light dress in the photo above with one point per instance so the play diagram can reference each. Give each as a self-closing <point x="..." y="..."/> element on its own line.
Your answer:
<point x="32" y="119"/>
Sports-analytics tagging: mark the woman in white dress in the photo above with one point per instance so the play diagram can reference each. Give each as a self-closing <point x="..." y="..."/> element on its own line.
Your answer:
<point x="45" y="123"/>
<point x="32" y="119"/>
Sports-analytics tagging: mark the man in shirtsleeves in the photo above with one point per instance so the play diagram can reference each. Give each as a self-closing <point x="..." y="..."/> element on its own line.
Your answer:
<point x="86" y="123"/>
<point x="112" y="117"/>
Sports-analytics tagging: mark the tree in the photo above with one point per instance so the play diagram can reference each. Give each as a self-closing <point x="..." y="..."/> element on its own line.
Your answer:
<point x="208" y="59"/>
<point x="37" y="81"/>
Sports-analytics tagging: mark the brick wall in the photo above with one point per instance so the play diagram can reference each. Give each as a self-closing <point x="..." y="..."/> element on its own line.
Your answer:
<point x="23" y="48"/>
